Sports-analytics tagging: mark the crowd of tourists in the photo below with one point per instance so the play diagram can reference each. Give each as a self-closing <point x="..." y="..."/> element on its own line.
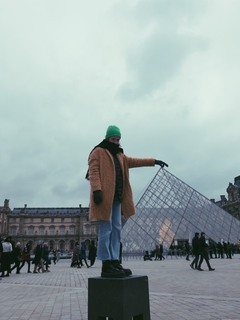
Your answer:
<point x="14" y="256"/>
<point x="199" y="250"/>
<point x="215" y="250"/>
<point x="80" y="255"/>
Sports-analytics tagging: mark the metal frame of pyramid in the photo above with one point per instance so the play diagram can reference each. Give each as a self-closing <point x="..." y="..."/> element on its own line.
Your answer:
<point x="169" y="210"/>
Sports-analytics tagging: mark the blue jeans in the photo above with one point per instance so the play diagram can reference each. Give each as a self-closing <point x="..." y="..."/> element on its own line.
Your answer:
<point x="109" y="235"/>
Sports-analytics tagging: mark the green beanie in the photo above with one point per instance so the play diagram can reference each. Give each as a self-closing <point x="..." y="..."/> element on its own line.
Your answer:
<point x="113" y="131"/>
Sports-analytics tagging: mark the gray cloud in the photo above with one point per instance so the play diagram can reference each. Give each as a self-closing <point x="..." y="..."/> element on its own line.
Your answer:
<point x="166" y="38"/>
<point x="164" y="71"/>
<point x="155" y="62"/>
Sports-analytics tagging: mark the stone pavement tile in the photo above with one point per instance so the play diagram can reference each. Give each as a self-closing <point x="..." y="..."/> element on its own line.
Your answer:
<point x="176" y="291"/>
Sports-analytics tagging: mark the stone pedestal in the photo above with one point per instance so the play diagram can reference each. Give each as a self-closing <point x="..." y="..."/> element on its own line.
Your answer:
<point x="118" y="298"/>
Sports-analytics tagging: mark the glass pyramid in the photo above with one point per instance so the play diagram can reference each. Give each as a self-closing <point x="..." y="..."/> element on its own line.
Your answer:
<point x="170" y="210"/>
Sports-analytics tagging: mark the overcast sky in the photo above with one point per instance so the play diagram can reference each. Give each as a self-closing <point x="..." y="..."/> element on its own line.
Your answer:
<point x="165" y="71"/>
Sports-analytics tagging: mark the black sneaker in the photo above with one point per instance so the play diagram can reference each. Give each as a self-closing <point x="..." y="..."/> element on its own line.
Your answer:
<point x="118" y="266"/>
<point x="110" y="271"/>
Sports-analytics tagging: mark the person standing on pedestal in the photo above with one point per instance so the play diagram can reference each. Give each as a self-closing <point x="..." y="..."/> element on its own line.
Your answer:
<point x="111" y="197"/>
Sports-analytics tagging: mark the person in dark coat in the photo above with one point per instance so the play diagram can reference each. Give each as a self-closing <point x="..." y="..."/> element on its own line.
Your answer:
<point x="17" y="257"/>
<point x="92" y="253"/>
<point x="38" y="258"/>
<point x="220" y="250"/>
<point x="147" y="256"/>
<point x="54" y="256"/>
<point x="203" y="249"/>
<point x="195" y="251"/>
<point x="83" y="256"/>
<point x="45" y="257"/>
<point x="76" y="256"/>
<point x="26" y="256"/>
<point x="161" y="252"/>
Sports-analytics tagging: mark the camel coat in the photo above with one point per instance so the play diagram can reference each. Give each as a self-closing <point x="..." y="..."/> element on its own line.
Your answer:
<point x="102" y="177"/>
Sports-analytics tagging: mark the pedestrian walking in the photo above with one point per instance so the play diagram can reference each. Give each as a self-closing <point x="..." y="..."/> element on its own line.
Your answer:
<point x="76" y="256"/>
<point x="38" y="258"/>
<point x="45" y="257"/>
<point x="203" y="249"/>
<point x="17" y="258"/>
<point x="92" y="252"/>
<point x="195" y="251"/>
<point x="83" y="256"/>
<point x="26" y="257"/>
<point x="6" y="258"/>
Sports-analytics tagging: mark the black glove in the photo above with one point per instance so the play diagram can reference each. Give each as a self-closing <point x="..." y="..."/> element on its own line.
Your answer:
<point x="97" y="196"/>
<point x="161" y="163"/>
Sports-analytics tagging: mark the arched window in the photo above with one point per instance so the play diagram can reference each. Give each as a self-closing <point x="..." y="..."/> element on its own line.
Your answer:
<point x="72" y="244"/>
<point x="62" y="245"/>
<point x="31" y="230"/>
<point x="13" y="230"/>
<point x="87" y="228"/>
<point x="62" y="230"/>
<point x="41" y="230"/>
<point x="72" y="229"/>
<point x="51" y="230"/>
<point x="52" y="244"/>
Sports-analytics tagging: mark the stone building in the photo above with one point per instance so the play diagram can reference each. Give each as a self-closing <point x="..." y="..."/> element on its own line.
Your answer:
<point x="232" y="203"/>
<point x="4" y="212"/>
<point x="59" y="227"/>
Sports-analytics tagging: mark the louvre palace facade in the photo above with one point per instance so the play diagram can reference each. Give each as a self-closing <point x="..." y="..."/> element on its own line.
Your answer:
<point x="59" y="227"/>
<point x="232" y="203"/>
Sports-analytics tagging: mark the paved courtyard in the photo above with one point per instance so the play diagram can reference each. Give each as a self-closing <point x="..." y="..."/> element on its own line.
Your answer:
<point x="176" y="291"/>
